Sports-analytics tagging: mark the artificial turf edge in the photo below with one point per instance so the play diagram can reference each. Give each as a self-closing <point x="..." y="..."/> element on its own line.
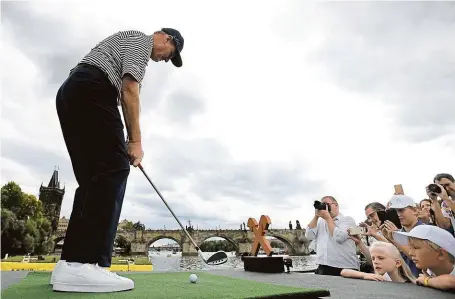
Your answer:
<point x="169" y="285"/>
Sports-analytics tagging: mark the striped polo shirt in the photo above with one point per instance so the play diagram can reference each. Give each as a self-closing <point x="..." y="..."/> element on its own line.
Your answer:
<point x="125" y="52"/>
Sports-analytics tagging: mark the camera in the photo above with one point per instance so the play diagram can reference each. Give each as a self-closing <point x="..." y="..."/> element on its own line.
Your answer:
<point x="320" y="205"/>
<point x="358" y="230"/>
<point x="434" y="188"/>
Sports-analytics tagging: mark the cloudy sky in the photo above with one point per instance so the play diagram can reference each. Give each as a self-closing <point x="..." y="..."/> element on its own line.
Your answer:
<point x="277" y="104"/>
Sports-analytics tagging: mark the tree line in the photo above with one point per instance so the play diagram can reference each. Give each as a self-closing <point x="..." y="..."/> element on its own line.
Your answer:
<point x="24" y="227"/>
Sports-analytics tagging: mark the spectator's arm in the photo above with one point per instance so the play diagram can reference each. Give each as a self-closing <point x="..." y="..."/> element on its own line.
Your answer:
<point x="373" y="231"/>
<point x="340" y="232"/>
<point x="441" y="220"/>
<point x="450" y="202"/>
<point x="446" y="198"/>
<point x="366" y="252"/>
<point x="380" y="238"/>
<point x="349" y="273"/>
<point x="442" y="282"/>
<point x="330" y="225"/>
<point x="311" y="232"/>
<point x="314" y="222"/>
<point x="363" y="248"/>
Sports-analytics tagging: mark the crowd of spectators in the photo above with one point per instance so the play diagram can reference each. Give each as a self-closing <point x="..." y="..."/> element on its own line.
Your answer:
<point x="401" y="240"/>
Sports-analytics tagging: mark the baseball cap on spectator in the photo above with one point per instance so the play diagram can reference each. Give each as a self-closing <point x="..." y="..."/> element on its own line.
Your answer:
<point x="435" y="234"/>
<point x="401" y="201"/>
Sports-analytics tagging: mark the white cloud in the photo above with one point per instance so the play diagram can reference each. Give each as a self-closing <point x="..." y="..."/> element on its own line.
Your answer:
<point x="265" y="105"/>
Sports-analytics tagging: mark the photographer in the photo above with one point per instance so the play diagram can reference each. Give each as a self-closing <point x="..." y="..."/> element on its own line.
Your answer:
<point x="371" y="211"/>
<point x="334" y="249"/>
<point x="444" y="188"/>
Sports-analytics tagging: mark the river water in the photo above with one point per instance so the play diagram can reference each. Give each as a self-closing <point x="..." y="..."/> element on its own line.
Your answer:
<point x="166" y="261"/>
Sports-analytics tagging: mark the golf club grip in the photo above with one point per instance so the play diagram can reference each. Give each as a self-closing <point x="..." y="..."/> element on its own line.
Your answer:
<point x="159" y="194"/>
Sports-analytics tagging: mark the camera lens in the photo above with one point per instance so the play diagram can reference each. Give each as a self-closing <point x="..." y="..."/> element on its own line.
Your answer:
<point x="434" y="188"/>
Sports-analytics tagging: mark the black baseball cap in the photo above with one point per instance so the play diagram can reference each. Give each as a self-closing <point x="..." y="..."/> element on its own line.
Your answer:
<point x="178" y="42"/>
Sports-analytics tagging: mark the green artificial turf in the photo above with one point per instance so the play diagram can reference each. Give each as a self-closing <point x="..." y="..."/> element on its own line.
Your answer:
<point x="173" y="285"/>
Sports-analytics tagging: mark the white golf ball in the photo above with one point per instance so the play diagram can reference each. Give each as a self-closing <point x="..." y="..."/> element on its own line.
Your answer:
<point x="193" y="278"/>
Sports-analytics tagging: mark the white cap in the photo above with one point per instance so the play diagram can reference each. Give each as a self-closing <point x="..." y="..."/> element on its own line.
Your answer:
<point x="401" y="201"/>
<point x="432" y="233"/>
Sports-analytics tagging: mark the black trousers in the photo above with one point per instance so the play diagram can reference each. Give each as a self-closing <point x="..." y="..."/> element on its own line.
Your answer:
<point x="93" y="132"/>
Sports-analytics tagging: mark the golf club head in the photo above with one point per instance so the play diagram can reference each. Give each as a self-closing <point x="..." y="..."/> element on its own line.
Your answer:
<point x="217" y="258"/>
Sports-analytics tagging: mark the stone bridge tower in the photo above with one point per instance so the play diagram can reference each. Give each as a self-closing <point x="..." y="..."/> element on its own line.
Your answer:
<point x="52" y="197"/>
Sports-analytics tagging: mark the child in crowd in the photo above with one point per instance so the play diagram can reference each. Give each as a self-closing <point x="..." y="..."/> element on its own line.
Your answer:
<point x="433" y="250"/>
<point x="407" y="211"/>
<point x="388" y="265"/>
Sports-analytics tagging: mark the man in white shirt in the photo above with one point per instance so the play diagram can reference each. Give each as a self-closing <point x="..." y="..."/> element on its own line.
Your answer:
<point x="335" y="251"/>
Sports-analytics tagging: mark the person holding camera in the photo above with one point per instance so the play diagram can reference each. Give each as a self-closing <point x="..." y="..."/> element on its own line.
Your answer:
<point x="372" y="211"/>
<point x="443" y="187"/>
<point x="335" y="251"/>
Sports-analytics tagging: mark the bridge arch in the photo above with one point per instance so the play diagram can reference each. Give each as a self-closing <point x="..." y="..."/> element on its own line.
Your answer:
<point x="284" y="240"/>
<point x="157" y="238"/>
<point x="223" y="236"/>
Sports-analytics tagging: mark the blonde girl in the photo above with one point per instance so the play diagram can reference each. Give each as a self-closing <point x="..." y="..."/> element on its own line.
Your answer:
<point x="387" y="263"/>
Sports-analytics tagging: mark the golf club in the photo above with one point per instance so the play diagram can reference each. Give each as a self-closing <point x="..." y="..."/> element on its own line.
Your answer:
<point x="217" y="258"/>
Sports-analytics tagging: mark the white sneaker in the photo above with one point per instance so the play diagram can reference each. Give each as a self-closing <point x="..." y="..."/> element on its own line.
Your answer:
<point x="89" y="278"/>
<point x="55" y="271"/>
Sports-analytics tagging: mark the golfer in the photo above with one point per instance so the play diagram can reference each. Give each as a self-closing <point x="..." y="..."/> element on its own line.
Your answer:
<point x="109" y="76"/>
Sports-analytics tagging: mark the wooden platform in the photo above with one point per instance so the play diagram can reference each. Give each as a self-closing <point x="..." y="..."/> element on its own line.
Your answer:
<point x="265" y="264"/>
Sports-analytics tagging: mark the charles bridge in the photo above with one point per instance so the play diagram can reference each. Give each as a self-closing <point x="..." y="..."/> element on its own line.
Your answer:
<point x="141" y="239"/>
<point x="295" y="240"/>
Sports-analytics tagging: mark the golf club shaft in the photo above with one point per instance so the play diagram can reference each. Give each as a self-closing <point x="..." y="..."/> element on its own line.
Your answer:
<point x="159" y="194"/>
